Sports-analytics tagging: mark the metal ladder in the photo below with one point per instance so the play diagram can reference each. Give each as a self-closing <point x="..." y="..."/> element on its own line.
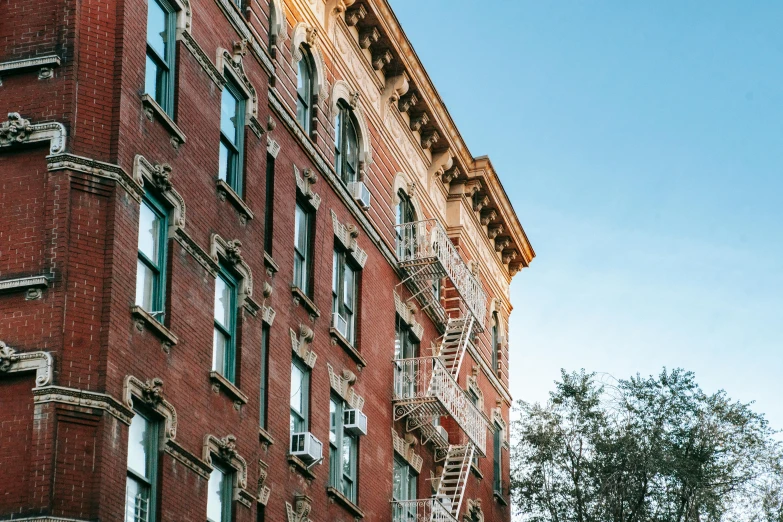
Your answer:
<point x="454" y="478"/>
<point x="455" y="342"/>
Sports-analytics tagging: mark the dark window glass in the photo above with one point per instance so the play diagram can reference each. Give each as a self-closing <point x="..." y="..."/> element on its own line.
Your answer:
<point x="304" y="91"/>
<point x="158" y="80"/>
<point x="346" y="146"/>
<point x="302" y="248"/>
<point x="151" y="261"/>
<point x="269" y="203"/>
<point x="232" y="130"/>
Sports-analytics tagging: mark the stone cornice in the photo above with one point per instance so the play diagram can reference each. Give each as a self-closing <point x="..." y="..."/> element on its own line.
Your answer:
<point x="202" y="58"/>
<point x="96" y="168"/>
<point x="41" y="363"/>
<point x="30" y="63"/>
<point x="33" y="284"/>
<point x="83" y="399"/>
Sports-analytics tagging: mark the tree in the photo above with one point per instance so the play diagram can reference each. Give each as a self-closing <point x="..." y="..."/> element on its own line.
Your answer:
<point x="643" y="449"/>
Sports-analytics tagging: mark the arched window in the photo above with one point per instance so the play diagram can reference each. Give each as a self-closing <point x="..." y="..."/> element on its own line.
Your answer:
<point x="304" y="91"/>
<point x="346" y="145"/>
<point x="495" y="341"/>
<point x="405" y="211"/>
<point x="406" y="233"/>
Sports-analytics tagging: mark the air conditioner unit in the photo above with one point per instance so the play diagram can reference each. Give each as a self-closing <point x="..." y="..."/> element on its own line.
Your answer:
<point x="340" y="324"/>
<point x="360" y="193"/>
<point x="305" y="446"/>
<point x="355" y="422"/>
<point x="442" y="432"/>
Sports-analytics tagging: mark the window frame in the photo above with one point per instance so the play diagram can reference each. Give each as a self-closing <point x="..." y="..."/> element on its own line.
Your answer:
<point x="303" y="261"/>
<point x="236" y="151"/>
<point x="159" y="272"/>
<point x="152" y="459"/>
<point x="409" y="482"/>
<point x="341" y="263"/>
<point x="229" y="331"/>
<point x="269" y="203"/>
<point x="264" y="378"/>
<point x="337" y="476"/>
<point x="405" y="348"/>
<point x="405" y="213"/>
<point x="497" y="460"/>
<point x="227" y="493"/>
<point x="495" y="339"/>
<point x="304" y="415"/>
<point x="168" y="62"/>
<point x="304" y="101"/>
<point x="345" y="121"/>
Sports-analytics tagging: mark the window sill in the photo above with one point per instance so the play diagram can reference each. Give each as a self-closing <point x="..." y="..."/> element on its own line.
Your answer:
<point x="336" y="497"/>
<point x="154" y="111"/>
<point x="270" y="264"/>
<point x="337" y="338"/>
<point x="220" y="383"/>
<point x="474" y="469"/>
<point x="265" y="437"/>
<point x="144" y="319"/>
<point x="499" y="498"/>
<point x="227" y="193"/>
<point x="306" y="302"/>
<point x="298" y="465"/>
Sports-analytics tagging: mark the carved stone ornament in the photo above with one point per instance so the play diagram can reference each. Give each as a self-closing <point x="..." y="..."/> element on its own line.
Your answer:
<point x="418" y="121"/>
<point x="159" y="176"/>
<point x="226" y="450"/>
<point x="509" y="256"/>
<point x="451" y="174"/>
<point x="404" y="447"/>
<point x="304" y="183"/>
<point x="429" y="139"/>
<point x="489" y="215"/>
<point x="493" y="231"/>
<point x="300" y="511"/>
<point x="342" y="90"/>
<point x="263" y="490"/>
<point x="301" y="345"/>
<point x="480" y="201"/>
<point x="150" y="393"/>
<point x="407" y="102"/>
<point x="17" y="130"/>
<point x="233" y="64"/>
<point x="230" y="252"/>
<point x="368" y="36"/>
<point x="346" y="235"/>
<point x="473" y="511"/>
<point x="272" y="147"/>
<point x="354" y="15"/>
<point x="305" y="39"/>
<point x="343" y="386"/>
<point x="41" y="363"/>
<point x="381" y="59"/>
<point x="501" y="243"/>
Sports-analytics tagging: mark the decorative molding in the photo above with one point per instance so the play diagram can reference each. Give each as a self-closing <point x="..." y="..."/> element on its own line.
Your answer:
<point x="497" y="418"/>
<point x="41" y="363"/>
<point x="304" y="183"/>
<point x="473" y="511"/>
<point x="159" y="176"/>
<point x="341" y="90"/>
<point x="336" y="495"/>
<point x="396" y="87"/>
<point x="50" y="519"/>
<point x="96" y="168"/>
<point x="46" y="64"/>
<point x="300" y="511"/>
<point x="355" y="15"/>
<point x="34" y="286"/>
<point x="441" y="162"/>
<point x="150" y="393"/>
<point x="473" y="386"/>
<point x="346" y="235"/>
<point x="226" y="450"/>
<point x="263" y="490"/>
<point x="188" y="459"/>
<point x="343" y="385"/>
<point x="301" y="345"/>
<point x="199" y="254"/>
<point x="154" y="111"/>
<point x="202" y="58"/>
<point x="230" y="252"/>
<point x="226" y="193"/>
<point x="407" y="312"/>
<point x="220" y="383"/>
<point x="277" y="24"/>
<point x="233" y="63"/>
<point x="304" y="35"/>
<point x="272" y="147"/>
<point x="83" y="399"/>
<point x="404" y="448"/>
<point x="237" y="20"/>
<point x="17" y="130"/>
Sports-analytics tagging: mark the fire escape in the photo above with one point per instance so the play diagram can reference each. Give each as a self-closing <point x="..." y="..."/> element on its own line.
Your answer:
<point x="426" y="388"/>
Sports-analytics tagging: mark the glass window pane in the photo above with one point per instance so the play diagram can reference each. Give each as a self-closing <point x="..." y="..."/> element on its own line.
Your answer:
<point x="224" y="302"/>
<point x="348" y="287"/>
<point x="157" y="28"/>
<point x="151" y="78"/>
<point x="219" y="345"/>
<point x="303" y="81"/>
<point x="138" y="446"/>
<point x="137" y="501"/>
<point x="225" y="157"/>
<point x="351" y="146"/>
<point x="333" y="422"/>
<point x="297" y="390"/>
<point x="149" y="232"/>
<point x="145" y="283"/>
<point x="228" y="115"/>
<point x="214" y="496"/>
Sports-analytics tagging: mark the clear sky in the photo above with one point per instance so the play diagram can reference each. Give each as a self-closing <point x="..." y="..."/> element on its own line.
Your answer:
<point x="641" y="143"/>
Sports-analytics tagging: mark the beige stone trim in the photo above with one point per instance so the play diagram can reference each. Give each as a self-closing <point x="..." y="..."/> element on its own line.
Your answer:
<point x="150" y="393"/>
<point x="230" y="252"/>
<point x="301" y="345"/>
<point x="83" y="399"/>
<point x="95" y="168"/>
<point x="346" y="235"/>
<point x="17" y="130"/>
<point x="226" y="450"/>
<point x="41" y="363"/>
<point x="343" y="385"/>
<point x="304" y="184"/>
<point x="305" y="39"/>
<point x="300" y="511"/>
<point x="403" y="446"/>
<point x="232" y="63"/>
<point x="341" y="90"/>
<point x="407" y="312"/>
<point x="159" y="177"/>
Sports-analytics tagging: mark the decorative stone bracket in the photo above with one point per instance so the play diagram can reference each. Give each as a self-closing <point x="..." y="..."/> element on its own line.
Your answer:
<point x="159" y="176"/>
<point x="473" y="511"/>
<point x="404" y="448"/>
<point x="304" y="184"/>
<point x="441" y="162"/>
<point x="230" y="253"/>
<point x="301" y="345"/>
<point x="343" y="385"/>
<point x="17" y="130"/>
<point x="407" y="312"/>
<point x="300" y="511"/>
<point x="226" y="450"/>
<point x="346" y="235"/>
<point x="150" y="393"/>
<point x="41" y="363"/>
<point x="263" y="490"/>
<point x="272" y="147"/>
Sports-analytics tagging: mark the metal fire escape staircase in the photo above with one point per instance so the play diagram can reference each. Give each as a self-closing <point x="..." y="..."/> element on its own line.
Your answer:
<point x="426" y="388"/>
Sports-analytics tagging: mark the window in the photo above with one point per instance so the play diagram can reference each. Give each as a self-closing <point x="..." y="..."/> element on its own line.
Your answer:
<point x="224" y="343"/>
<point x="497" y="484"/>
<point x="140" y="494"/>
<point x="300" y="395"/>
<point x="404" y="490"/>
<point x="159" y="77"/>
<point x="345" y="285"/>
<point x="269" y="203"/>
<point x="474" y="398"/>
<point x="406" y="236"/>
<point x="405" y="347"/>
<point x="151" y="263"/>
<point x="219" y="495"/>
<point x="495" y="341"/>
<point x="304" y="92"/>
<point x="343" y="451"/>
<point x="346" y="145"/>
<point x="232" y="134"/>
<point x="264" y="373"/>
<point x="302" y="245"/>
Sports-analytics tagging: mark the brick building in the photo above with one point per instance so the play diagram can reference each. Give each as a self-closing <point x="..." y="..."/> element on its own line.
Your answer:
<point x="207" y="206"/>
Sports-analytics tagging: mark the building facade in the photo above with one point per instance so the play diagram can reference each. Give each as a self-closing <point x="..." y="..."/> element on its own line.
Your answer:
<point x="208" y="207"/>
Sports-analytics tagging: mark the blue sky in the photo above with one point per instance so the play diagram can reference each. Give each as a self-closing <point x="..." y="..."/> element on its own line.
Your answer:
<point x="641" y="144"/>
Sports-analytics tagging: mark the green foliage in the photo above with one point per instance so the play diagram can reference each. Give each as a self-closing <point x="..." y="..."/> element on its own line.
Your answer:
<point x="644" y="449"/>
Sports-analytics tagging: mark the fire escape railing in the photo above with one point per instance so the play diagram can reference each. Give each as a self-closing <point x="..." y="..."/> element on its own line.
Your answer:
<point x="423" y="387"/>
<point x="425" y="252"/>
<point x="424" y="510"/>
